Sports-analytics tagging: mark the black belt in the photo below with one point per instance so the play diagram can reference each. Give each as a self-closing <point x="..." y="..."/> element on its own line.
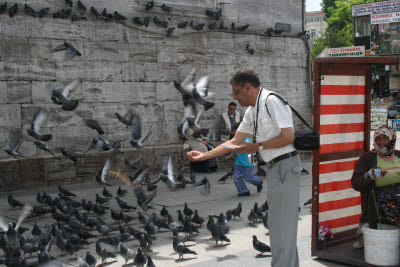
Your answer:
<point x="282" y="157"/>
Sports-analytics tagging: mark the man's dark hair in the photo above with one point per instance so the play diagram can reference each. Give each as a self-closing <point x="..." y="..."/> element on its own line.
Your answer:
<point x="232" y="104"/>
<point x="245" y="76"/>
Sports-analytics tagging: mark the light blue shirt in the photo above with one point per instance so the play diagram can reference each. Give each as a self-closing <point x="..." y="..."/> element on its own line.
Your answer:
<point x="241" y="158"/>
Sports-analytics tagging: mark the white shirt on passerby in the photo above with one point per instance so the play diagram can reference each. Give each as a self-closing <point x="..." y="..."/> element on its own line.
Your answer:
<point x="268" y="126"/>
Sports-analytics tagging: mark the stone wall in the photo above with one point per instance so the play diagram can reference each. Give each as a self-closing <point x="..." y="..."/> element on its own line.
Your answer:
<point x="131" y="67"/>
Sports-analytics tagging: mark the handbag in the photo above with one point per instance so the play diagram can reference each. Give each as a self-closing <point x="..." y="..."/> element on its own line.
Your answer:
<point x="307" y="139"/>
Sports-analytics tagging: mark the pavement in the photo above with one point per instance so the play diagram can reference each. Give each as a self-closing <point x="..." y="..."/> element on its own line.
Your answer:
<point x="239" y="252"/>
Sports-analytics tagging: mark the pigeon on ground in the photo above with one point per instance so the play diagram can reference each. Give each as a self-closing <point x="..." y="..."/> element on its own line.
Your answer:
<point x="103" y="253"/>
<point x="252" y="217"/>
<point x="101" y="200"/>
<point x="126" y="253"/>
<point x="38" y="122"/>
<point x="304" y="171"/>
<point x="260" y="246"/>
<point x="187" y="211"/>
<point x="164" y="212"/>
<point x="71" y="51"/>
<point x="181" y="250"/>
<point x="226" y="176"/>
<point x="123" y="205"/>
<point x="172" y="224"/>
<point x="65" y="192"/>
<point x="82" y="262"/>
<point x="121" y="192"/>
<point x="13" y="202"/>
<point x="16" y="140"/>
<point x="308" y="202"/>
<point x="197" y="219"/>
<point x="90" y="259"/>
<point x="140" y="259"/>
<point x="61" y="96"/>
<point x="106" y="193"/>
<point x="218" y="235"/>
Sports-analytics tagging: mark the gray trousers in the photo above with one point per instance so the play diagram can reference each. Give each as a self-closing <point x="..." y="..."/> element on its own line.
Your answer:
<point x="283" y="199"/>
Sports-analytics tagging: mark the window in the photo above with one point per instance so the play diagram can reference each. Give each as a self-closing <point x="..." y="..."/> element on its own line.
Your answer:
<point x="313" y="33"/>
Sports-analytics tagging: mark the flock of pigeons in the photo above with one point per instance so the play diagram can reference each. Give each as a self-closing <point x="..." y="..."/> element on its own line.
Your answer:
<point x="80" y="223"/>
<point x="80" y="13"/>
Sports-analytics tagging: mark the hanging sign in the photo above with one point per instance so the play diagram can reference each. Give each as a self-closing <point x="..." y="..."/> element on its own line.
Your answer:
<point x="354" y="51"/>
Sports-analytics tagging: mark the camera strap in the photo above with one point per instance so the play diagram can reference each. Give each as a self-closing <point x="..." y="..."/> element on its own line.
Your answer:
<point x="256" y="119"/>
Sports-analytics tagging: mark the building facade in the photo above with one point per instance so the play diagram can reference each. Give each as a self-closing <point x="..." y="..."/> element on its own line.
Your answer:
<point x="315" y="24"/>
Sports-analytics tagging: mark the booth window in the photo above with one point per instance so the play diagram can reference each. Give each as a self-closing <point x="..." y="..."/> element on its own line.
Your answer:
<point x="362" y="32"/>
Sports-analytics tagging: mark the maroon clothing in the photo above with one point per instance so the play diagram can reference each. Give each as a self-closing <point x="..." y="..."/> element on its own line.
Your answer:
<point x="359" y="183"/>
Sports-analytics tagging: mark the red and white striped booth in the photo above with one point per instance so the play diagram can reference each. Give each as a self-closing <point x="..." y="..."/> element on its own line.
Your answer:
<point x="341" y="112"/>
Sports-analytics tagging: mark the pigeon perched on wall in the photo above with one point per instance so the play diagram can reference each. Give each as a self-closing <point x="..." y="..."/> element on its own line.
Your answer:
<point x="250" y="49"/>
<point x="30" y="11"/>
<point x="70" y="50"/>
<point x="166" y="8"/>
<point x="182" y="25"/>
<point x="3" y="7"/>
<point x="43" y="12"/>
<point x="13" y="10"/>
<point x="149" y="5"/>
<point x="146" y="21"/>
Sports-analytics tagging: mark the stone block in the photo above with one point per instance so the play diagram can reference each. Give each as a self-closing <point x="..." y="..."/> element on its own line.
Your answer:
<point x="3" y="92"/>
<point x="150" y="72"/>
<point x="167" y="91"/>
<point x="65" y="30"/>
<point x="107" y="51"/>
<point x="14" y="48"/>
<point x="40" y="48"/>
<point x="19" y="92"/>
<point x="108" y="31"/>
<point x="117" y="92"/>
<point x="143" y="53"/>
<point x="23" y="69"/>
<point x="88" y="70"/>
<point x="10" y="115"/>
<point x="25" y="28"/>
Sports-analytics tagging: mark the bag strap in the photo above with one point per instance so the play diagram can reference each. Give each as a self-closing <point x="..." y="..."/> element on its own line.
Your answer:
<point x="294" y="111"/>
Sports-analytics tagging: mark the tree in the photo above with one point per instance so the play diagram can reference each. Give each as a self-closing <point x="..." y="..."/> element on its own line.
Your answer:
<point x="339" y="32"/>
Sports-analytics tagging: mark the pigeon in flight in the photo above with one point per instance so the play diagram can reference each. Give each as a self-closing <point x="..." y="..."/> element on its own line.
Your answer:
<point x="167" y="175"/>
<point x="60" y="96"/>
<point x="16" y="140"/>
<point x="96" y="145"/>
<point x="43" y="147"/>
<point x="71" y="51"/>
<point x="101" y="176"/>
<point x="68" y="154"/>
<point x="205" y="189"/>
<point x="133" y="163"/>
<point x="142" y="199"/>
<point x="136" y="130"/>
<point x="93" y="124"/>
<point x="39" y="120"/>
<point x="126" y="119"/>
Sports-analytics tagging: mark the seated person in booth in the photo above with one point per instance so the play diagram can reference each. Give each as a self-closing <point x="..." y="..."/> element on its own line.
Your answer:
<point x="377" y="176"/>
<point x="243" y="170"/>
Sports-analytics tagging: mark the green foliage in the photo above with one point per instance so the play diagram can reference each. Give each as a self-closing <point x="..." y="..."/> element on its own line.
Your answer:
<point x="339" y="32"/>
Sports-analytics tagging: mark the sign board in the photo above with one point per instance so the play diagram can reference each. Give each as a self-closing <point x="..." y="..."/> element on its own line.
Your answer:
<point x="355" y="51"/>
<point x="385" y="18"/>
<point x="375" y="8"/>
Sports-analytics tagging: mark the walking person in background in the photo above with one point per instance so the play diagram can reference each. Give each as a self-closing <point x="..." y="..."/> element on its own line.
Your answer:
<point x="229" y="118"/>
<point x="274" y="136"/>
<point x="243" y="170"/>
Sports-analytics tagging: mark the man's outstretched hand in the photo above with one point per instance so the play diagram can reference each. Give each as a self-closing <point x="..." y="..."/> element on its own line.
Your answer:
<point x="195" y="156"/>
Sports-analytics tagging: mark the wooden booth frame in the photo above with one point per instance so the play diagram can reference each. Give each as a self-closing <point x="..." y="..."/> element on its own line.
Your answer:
<point x="342" y="114"/>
